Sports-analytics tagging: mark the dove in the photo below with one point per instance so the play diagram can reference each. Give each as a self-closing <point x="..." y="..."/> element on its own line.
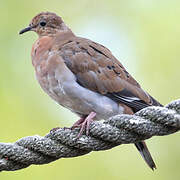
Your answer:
<point x="84" y="76"/>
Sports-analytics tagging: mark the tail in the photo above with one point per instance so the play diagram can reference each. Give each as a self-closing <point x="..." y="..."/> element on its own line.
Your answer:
<point x="142" y="148"/>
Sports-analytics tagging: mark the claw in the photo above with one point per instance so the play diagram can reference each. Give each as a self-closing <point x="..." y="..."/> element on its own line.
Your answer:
<point x="84" y="124"/>
<point x="77" y="123"/>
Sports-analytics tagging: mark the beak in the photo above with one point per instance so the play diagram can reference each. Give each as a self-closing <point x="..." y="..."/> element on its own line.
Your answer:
<point x="25" y="30"/>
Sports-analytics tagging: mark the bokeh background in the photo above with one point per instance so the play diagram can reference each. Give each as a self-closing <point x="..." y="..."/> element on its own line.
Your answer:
<point x="143" y="35"/>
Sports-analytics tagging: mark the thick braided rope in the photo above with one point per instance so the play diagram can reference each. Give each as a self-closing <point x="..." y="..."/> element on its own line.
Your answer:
<point x="62" y="143"/>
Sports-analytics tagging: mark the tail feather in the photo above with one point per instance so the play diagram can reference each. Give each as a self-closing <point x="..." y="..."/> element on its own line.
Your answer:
<point x="142" y="148"/>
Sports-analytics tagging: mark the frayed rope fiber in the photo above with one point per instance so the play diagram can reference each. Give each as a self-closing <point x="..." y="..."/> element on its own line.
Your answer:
<point x="104" y="135"/>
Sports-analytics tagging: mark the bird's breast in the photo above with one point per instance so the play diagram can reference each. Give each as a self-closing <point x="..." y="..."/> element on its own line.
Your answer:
<point x="41" y="49"/>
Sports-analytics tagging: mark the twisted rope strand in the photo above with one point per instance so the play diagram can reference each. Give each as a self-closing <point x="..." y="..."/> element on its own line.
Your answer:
<point x="104" y="135"/>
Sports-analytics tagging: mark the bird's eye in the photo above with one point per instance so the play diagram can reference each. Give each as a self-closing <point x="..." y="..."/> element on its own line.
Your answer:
<point x="43" y="23"/>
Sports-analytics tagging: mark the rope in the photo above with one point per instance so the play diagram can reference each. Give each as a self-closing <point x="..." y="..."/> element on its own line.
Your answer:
<point x="104" y="135"/>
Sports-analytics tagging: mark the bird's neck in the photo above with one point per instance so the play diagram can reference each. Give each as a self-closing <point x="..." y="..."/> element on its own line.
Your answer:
<point x="62" y="37"/>
<point x="45" y="44"/>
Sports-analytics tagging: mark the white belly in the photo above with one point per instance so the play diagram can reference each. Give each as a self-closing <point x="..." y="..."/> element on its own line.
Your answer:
<point x="84" y="101"/>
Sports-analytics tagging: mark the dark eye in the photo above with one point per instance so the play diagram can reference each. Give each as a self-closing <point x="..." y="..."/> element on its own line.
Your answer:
<point x="43" y="23"/>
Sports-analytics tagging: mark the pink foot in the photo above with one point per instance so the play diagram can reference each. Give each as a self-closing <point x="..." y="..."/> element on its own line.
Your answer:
<point x="84" y="124"/>
<point x="76" y="124"/>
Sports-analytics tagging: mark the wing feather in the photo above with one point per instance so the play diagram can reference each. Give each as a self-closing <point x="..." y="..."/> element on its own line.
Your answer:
<point x="98" y="70"/>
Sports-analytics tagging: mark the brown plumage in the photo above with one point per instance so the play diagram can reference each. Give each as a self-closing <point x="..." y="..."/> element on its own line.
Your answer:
<point x="84" y="76"/>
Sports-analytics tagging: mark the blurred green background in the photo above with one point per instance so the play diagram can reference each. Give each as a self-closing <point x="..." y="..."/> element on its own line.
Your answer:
<point x="143" y="35"/>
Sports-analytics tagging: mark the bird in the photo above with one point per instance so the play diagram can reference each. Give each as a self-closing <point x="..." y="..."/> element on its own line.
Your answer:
<point x="84" y="76"/>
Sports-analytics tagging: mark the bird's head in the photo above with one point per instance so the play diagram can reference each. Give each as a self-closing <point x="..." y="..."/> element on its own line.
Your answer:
<point x="46" y="24"/>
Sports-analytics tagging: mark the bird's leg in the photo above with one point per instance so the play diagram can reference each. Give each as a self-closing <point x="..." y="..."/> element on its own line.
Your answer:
<point x="77" y="123"/>
<point x="84" y="124"/>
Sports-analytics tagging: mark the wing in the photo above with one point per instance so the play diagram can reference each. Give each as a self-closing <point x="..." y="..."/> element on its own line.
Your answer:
<point x="98" y="70"/>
